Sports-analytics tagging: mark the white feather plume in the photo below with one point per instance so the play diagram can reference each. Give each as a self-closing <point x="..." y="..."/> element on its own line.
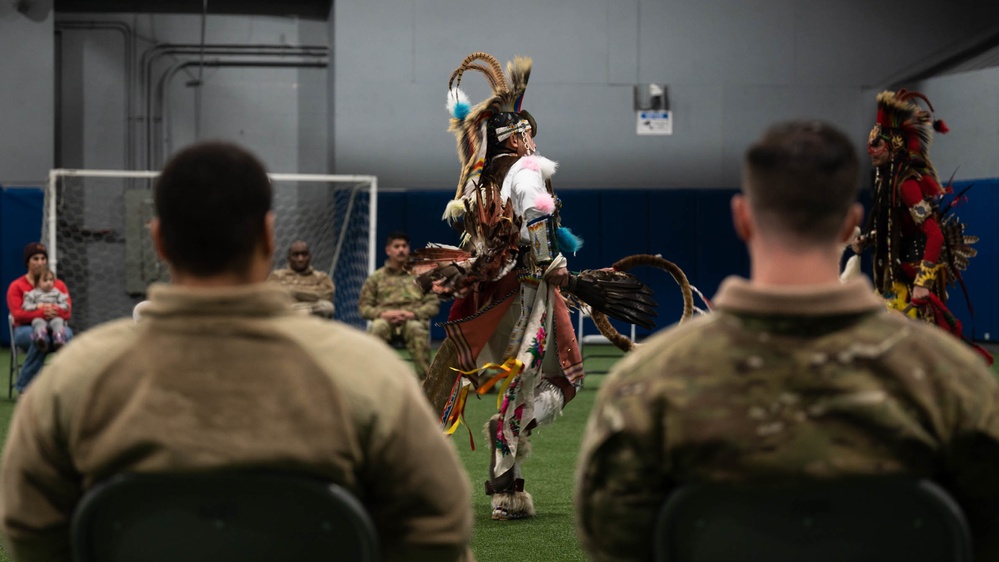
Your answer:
<point x="455" y="97"/>
<point x="548" y="167"/>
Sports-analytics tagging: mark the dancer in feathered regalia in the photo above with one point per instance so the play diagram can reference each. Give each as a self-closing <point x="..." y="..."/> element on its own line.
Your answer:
<point x="919" y="245"/>
<point x="509" y="324"/>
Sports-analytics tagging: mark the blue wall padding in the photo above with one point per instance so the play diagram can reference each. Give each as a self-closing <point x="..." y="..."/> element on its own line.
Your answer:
<point x="20" y="223"/>
<point x="391" y="217"/>
<point x="978" y="211"/>
<point x="690" y="227"/>
<point x="672" y="231"/>
<point x="719" y="252"/>
<point x="424" y="211"/>
<point x="693" y="229"/>
<point x="615" y="224"/>
<point x="582" y="214"/>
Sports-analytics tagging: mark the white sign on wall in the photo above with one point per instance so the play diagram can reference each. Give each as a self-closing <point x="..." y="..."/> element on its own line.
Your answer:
<point x="654" y="122"/>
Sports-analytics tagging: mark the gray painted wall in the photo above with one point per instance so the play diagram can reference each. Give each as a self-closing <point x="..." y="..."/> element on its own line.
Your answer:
<point x="26" y="116"/>
<point x="969" y="104"/>
<point x="278" y="112"/>
<point x="732" y="67"/>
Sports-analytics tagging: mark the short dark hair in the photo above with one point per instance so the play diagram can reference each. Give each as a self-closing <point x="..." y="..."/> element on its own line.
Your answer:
<point x="396" y="235"/>
<point x="802" y="177"/>
<point x="212" y="200"/>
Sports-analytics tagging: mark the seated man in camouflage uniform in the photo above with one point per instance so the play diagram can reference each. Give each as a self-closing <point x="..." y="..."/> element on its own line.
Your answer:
<point x="256" y="387"/>
<point x="794" y="376"/>
<point x="312" y="290"/>
<point x="396" y="305"/>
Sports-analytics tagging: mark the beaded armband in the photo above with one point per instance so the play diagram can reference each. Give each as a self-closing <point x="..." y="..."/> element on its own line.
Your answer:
<point x="544" y="244"/>
<point x="927" y="275"/>
<point x="920" y="211"/>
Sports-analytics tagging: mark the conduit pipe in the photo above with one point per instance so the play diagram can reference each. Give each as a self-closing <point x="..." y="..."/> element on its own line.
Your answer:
<point x="163" y="87"/>
<point x="150" y="56"/>
<point x="128" y="38"/>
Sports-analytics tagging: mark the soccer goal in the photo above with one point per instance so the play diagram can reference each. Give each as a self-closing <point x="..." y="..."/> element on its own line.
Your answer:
<point x="95" y="227"/>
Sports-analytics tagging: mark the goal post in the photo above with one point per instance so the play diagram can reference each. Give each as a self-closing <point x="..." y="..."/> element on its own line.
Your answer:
<point x="95" y="227"/>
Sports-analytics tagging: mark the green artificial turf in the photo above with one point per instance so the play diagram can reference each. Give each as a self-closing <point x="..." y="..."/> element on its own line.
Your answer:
<point x="6" y="411"/>
<point x="548" y="473"/>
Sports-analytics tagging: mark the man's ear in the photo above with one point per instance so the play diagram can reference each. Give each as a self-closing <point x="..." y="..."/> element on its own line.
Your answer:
<point x="853" y="217"/>
<point x="269" y="245"/>
<point x="157" y="238"/>
<point x="742" y="221"/>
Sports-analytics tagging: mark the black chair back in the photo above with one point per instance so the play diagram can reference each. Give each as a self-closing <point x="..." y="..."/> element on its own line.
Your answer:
<point x="220" y="517"/>
<point x="861" y="520"/>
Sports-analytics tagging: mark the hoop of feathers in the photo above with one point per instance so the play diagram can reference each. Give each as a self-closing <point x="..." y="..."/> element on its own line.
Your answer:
<point x="626" y="264"/>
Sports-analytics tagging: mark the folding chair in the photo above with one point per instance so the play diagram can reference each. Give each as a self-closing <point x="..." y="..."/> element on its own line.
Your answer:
<point x="593" y="346"/>
<point x="16" y="360"/>
<point x="221" y="517"/>
<point x="860" y="520"/>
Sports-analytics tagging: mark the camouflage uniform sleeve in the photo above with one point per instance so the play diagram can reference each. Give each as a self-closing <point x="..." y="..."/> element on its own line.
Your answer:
<point x="367" y="303"/>
<point x="972" y="457"/>
<point x="427" y="307"/>
<point x="620" y="484"/>
<point x="325" y="289"/>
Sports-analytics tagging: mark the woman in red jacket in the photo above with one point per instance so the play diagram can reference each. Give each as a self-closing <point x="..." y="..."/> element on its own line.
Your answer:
<point x="36" y="258"/>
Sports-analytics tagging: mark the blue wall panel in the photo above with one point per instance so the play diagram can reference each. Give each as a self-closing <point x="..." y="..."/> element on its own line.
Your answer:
<point x="624" y="231"/>
<point x="978" y="211"/>
<point x="391" y="217"/>
<point x="20" y="223"/>
<point x="581" y="213"/>
<point x="689" y="227"/>
<point x="672" y="231"/>
<point x="719" y="251"/>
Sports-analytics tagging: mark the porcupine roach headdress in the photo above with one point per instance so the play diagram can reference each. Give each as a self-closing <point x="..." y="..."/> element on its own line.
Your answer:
<point x="470" y="125"/>
<point x="908" y="130"/>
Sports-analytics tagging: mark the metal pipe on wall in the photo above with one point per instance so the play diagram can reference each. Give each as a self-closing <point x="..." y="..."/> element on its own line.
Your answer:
<point x="151" y="55"/>
<point x="162" y="89"/>
<point x="128" y="38"/>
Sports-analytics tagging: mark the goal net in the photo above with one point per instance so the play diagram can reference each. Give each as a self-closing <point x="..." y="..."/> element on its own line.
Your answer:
<point x="95" y="227"/>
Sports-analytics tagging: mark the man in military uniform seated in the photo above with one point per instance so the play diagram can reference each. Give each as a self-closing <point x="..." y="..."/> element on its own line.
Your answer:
<point x="397" y="307"/>
<point x="794" y="376"/>
<point x="312" y="290"/>
<point x="256" y="387"/>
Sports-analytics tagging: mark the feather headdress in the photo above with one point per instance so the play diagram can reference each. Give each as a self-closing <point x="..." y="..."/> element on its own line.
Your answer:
<point x="907" y="127"/>
<point x="470" y="124"/>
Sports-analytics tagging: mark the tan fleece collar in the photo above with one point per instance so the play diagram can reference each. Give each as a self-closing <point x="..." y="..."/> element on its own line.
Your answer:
<point x="249" y="300"/>
<point x="737" y="295"/>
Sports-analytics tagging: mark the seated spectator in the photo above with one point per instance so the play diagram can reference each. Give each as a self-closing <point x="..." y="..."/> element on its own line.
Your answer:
<point x="221" y="374"/>
<point x="43" y="298"/>
<point x="397" y="307"/>
<point x="312" y="290"/>
<point x="37" y="314"/>
<point x="794" y="376"/>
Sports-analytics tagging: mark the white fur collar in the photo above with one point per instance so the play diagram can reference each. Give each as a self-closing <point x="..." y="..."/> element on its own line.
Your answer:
<point x="536" y="161"/>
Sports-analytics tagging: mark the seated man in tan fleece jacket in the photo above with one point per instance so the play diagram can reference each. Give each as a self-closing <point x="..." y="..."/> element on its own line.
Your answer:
<point x="222" y="373"/>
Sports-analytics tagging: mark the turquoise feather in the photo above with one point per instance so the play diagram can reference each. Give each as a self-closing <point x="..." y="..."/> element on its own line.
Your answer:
<point x="567" y="241"/>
